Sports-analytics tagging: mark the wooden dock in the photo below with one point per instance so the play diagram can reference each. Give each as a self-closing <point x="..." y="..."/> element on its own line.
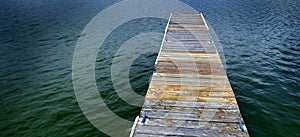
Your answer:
<point x="189" y="94"/>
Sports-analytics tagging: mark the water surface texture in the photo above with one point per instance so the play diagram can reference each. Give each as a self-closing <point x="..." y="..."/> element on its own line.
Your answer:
<point x="260" y="39"/>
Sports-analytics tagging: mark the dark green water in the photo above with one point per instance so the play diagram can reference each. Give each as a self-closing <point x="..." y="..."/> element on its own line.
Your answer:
<point x="260" y="39"/>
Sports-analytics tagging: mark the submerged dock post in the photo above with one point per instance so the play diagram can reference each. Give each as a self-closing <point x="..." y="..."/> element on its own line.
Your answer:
<point x="189" y="94"/>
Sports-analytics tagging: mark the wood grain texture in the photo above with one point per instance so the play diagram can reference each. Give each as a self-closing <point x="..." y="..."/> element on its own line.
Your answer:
<point x="189" y="94"/>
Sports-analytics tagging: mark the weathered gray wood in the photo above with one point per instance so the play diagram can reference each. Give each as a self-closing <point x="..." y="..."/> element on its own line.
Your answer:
<point x="189" y="83"/>
<point x="147" y="135"/>
<point x="216" y="115"/>
<point x="190" y="104"/>
<point x="187" y="110"/>
<point x="188" y="34"/>
<point x="202" y="43"/>
<point x="186" y="26"/>
<point x="189" y="37"/>
<point x="187" y="70"/>
<point x="184" y="21"/>
<point x="219" y="130"/>
<point x="189" y="59"/>
<point x="187" y="30"/>
<point x="183" y="93"/>
<point x="186" y="77"/>
<point x="191" y="88"/>
<point x="189" y="94"/>
<point x="194" y="65"/>
<point x="189" y="49"/>
<point x="196" y="43"/>
<point x="189" y="125"/>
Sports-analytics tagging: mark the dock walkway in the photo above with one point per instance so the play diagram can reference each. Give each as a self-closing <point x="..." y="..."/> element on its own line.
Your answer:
<point x="189" y="94"/>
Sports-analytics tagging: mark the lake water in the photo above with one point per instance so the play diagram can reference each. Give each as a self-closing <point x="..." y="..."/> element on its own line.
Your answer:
<point x="260" y="39"/>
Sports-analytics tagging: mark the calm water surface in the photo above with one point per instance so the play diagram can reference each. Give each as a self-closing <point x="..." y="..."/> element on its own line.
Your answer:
<point x="260" y="39"/>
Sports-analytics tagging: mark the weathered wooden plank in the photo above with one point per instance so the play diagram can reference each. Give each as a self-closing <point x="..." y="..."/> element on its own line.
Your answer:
<point x="190" y="104"/>
<point x="189" y="94"/>
<point x="188" y="34"/>
<point x="193" y="132"/>
<point x="212" y="83"/>
<point x="188" y="77"/>
<point x="167" y="75"/>
<point x="185" y="14"/>
<point x="188" y="117"/>
<point x="189" y="59"/>
<point x="200" y="72"/>
<point x="187" y="37"/>
<point x="228" y="93"/>
<point x="167" y="57"/>
<point x="205" y="66"/>
<point x="191" y="117"/>
<point x="200" y="56"/>
<point x="188" y="70"/>
<point x="196" y="30"/>
<point x="203" y="43"/>
<point x="186" y="89"/>
<point x="176" y="25"/>
<point x="190" y="88"/>
<point x="186" y="17"/>
<point x="147" y="135"/>
<point x="166" y="80"/>
<point x="189" y="124"/>
<point x="189" y="110"/>
<point x="175" y="49"/>
<point x="193" y="65"/>
<point x="180" y="63"/>
<point x="189" y="51"/>
<point x="184" y="21"/>
<point x="214" y="115"/>
<point x="190" y="98"/>
<point x="183" y="47"/>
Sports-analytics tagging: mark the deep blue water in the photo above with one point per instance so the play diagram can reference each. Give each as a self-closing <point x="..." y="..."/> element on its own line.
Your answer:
<point x="260" y="39"/>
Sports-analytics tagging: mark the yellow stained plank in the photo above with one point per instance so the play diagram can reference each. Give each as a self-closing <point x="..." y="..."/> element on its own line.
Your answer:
<point x="160" y="93"/>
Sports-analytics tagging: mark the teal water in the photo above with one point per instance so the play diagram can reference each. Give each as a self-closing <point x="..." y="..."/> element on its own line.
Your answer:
<point x="260" y="39"/>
